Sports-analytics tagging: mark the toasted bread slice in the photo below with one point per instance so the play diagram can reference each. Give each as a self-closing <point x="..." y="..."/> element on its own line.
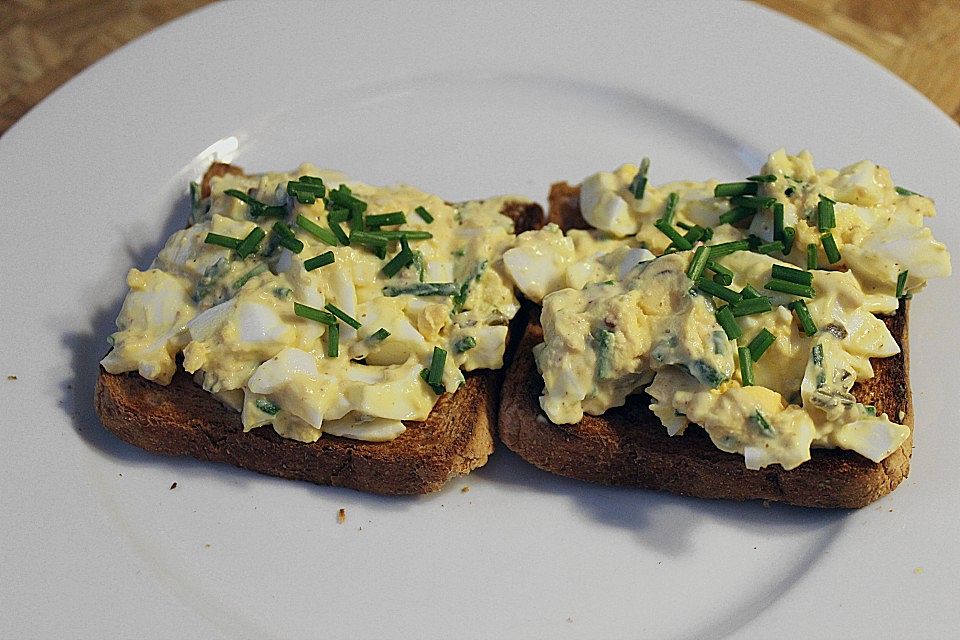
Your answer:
<point x="629" y="446"/>
<point x="183" y="419"/>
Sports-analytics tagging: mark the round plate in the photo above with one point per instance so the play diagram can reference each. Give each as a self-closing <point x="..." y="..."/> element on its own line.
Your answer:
<point x="465" y="100"/>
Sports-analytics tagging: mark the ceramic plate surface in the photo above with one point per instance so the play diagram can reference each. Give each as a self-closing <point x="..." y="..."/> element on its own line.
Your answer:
<point x="465" y="100"/>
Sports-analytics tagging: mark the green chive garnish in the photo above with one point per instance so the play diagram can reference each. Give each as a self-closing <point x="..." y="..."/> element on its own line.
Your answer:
<point x="257" y="209"/>
<point x="221" y="241"/>
<point x="789" y="237"/>
<point x="700" y="258"/>
<point x="343" y="197"/>
<point x="343" y="315"/>
<point x="730" y="189"/>
<point x="243" y="197"/>
<point x="764" y="178"/>
<point x="639" y="183"/>
<point x="768" y="248"/>
<point x="316" y="315"/>
<point x="422" y="289"/>
<point x="830" y="247"/>
<point x="726" y="320"/>
<point x="750" y="292"/>
<point x="423" y="213"/>
<point x="270" y="408"/>
<point x="905" y="192"/>
<point x="807" y="324"/>
<point x="338" y="231"/>
<point x="778" y="221"/>
<point x="696" y="233"/>
<point x="746" y="366"/>
<point x="765" y="427"/>
<point x="324" y="235"/>
<point x="670" y="208"/>
<point x="379" y="335"/>
<point x="242" y="280"/>
<point x="436" y="366"/>
<point x="679" y="241"/>
<point x="249" y="244"/>
<point x="826" y="218"/>
<point x="726" y="248"/>
<point x="403" y="259"/>
<point x="784" y="286"/>
<point x="339" y="215"/>
<point x="366" y="238"/>
<point x="760" y="343"/>
<point x="333" y="340"/>
<point x="753" y="202"/>
<point x="321" y="260"/>
<point x="465" y="344"/>
<point x="386" y="219"/>
<point x="286" y="237"/>
<point x="811" y="256"/>
<point x="902" y="283"/>
<point x="722" y="275"/>
<point x="736" y="214"/>
<point x="718" y="291"/>
<point x="409" y="235"/>
<point x="306" y="190"/>
<point x="791" y="275"/>
<point x="750" y="306"/>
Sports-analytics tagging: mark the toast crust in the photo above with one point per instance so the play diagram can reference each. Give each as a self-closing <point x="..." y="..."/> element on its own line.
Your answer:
<point x="183" y="419"/>
<point x="628" y="445"/>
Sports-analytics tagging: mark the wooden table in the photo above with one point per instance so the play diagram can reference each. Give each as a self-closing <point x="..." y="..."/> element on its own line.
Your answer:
<point x="43" y="43"/>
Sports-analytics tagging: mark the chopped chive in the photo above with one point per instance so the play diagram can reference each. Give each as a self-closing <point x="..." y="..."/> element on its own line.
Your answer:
<point x="372" y="240"/>
<point x="696" y="233"/>
<point x="679" y="241"/>
<point x="422" y="289"/>
<point x="243" y="197"/>
<point x="760" y="343"/>
<point x="753" y="202"/>
<point x="826" y="217"/>
<point x="324" y="235"/>
<point x="794" y="289"/>
<point x="639" y="183"/>
<point x="764" y="178"/>
<point x="750" y="306"/>
<point x="729" y="189"/>
<point x="789" y="237"/>
<point x="902" y="282"/>
<point x="670" y="208"/>
<point x="791" y="275"/>
<point x="700" y="258"/>
<point x="905" y="192"/>
<point x="778" y="221"/>
<point x="386" y="219"/>
<point x="271" y="211"/>
<point x="726" y="320"/>
<point x="768" y="248"/>
<point x="746" y="366"/>
<point x="286" y="237"/>
<point x="436" y="366"/>
<point x="342" y="196"/>
<point x="357" y="220"/>
<point x="242" y="280"/>
<point x="306" y="190"/>
<point x="379" y="335"/>
<point x="437" y="388"/>
<point x="685" y="226"/>
<point x="338" y="231"/>
<point x="333" y="340"/>
<point x="249" y="244"/>
<point x="765" y="427"/>
<point x="269" y="408"/>
<point x="423" y="213"/>
<point x="316" y="315"/>
<point x="726" y="248"/>
<point x="465" y="344"/>
<point x="403" y="259"/>
<point x="807" y="324"/>
<point x="830" y="247"/>
<point x="314" y="180"/>
<point x="718" y="291"/>
<point x="321" y="260"/>
<point x="409" y="235"/>
<point x="339" y="215"/>
<point x="811" y="256"/>
<point x="721" y="275"/>
<point x="221" y="241"/>
<point x="816" y="355"/>
<point x="736" y="215"/>
<point x="343" y="315"/>
<point x="750" y="292"/>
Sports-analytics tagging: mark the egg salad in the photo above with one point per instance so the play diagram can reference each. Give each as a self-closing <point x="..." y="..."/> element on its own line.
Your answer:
<point x="747" y="308"/>
<point x="320" y="305"/>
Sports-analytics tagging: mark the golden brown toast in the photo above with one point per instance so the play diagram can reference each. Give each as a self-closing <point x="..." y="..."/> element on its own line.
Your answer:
<point x="629" y="446"/>
<point x="183" y="419"/>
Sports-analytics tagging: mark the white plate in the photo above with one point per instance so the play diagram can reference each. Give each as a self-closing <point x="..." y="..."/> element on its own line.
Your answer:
<point x="464" y="100"/>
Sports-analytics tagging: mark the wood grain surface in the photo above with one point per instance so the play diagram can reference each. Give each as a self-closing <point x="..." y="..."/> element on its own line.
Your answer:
<point x="43" y="43"/>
